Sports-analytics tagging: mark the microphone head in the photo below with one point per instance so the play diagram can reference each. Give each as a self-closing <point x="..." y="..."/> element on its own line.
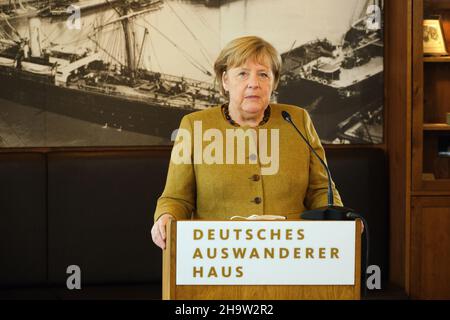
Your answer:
<point x="286" y="116"/>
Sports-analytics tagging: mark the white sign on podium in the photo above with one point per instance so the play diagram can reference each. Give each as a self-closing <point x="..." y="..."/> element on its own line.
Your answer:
<point x="265" y="253"/>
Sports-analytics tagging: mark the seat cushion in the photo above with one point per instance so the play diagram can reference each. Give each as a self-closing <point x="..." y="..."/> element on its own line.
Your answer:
<point x="23" y="219"/>
<point x="100" y="211"/>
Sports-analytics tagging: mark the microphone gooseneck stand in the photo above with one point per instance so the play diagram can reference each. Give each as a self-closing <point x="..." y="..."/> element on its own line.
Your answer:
<point x="332" y="212"/>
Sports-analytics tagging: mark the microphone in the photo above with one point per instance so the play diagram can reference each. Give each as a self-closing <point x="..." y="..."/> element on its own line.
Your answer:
<point x="330" y="212"/>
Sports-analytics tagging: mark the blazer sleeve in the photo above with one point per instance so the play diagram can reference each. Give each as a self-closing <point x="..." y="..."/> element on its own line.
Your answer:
<point x="178" y="197"/>
<point x="317" y="192"/>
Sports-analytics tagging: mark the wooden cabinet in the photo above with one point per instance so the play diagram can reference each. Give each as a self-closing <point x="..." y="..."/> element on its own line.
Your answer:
<point x="430" y="248"/>
<point x="428" y="221"/>
<point x="430" y="105"/>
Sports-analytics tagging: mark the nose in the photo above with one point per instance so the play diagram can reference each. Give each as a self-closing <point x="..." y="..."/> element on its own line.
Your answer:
<point x="253" y="81"/>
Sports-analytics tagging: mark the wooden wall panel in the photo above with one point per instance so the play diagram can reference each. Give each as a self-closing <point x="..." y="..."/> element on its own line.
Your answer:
<point x="430" y="248"/>
<point x="398" y="105"/>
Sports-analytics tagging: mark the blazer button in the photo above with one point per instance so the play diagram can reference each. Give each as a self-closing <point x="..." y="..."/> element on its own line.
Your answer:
<point x="256" y="177"/>
<point x="258" y="200"/>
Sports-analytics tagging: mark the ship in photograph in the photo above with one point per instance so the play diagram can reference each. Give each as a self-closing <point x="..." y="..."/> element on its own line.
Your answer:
<point x="80" y="84"/>
<point x="341" y="85"/>
<point x="109" y="74"/>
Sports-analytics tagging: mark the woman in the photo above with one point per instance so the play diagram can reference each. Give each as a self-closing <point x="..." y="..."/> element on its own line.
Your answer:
<point x="247" y="71"/>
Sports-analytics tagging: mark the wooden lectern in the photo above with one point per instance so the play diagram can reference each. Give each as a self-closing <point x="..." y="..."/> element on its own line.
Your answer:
<point x="171" y="291"/>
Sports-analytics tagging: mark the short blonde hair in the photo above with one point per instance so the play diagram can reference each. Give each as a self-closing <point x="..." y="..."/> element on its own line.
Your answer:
<point x="240" y="50"/>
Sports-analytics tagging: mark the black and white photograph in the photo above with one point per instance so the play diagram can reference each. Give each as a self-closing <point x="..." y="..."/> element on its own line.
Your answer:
<point x="124" y="72"/>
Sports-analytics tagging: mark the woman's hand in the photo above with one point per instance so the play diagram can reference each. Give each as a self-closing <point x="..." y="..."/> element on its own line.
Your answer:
<point x="159" y="230"/>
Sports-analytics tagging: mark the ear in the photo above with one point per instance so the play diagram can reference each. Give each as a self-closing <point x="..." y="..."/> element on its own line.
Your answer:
<point x="225" y="81"/>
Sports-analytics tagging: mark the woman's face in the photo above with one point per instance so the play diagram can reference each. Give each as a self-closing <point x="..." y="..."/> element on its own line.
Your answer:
<point x="250" y="87"/>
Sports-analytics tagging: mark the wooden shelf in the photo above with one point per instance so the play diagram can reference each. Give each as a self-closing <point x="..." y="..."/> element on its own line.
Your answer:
<point x="430" y="193"/>
<point x="436" y="127"/>
<point x="436" y="59"/>
<point x="436" y="5"/>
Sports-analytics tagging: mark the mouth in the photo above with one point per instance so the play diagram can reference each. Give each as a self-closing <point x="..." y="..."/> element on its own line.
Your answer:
<point x="252" y="97"/>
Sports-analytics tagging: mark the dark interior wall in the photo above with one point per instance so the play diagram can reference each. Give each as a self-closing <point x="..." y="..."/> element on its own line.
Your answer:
<point x="360" y="174"/>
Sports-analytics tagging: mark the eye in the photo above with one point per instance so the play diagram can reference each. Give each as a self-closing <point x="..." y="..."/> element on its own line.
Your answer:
<point x="242" y="75"/>
<point x="264" y="75"/>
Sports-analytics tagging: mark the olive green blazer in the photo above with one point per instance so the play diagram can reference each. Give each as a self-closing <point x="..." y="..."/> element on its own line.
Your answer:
<point x="211" y="188"/>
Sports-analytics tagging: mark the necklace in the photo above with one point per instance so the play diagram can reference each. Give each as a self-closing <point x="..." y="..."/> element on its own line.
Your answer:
<point x="226" y="112"/>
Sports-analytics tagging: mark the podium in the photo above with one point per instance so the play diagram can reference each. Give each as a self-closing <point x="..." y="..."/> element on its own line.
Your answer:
<point x="175" y="288"/>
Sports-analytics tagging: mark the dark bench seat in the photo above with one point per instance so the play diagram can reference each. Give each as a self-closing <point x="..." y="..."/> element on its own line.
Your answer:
<point x="95" y="210"/>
